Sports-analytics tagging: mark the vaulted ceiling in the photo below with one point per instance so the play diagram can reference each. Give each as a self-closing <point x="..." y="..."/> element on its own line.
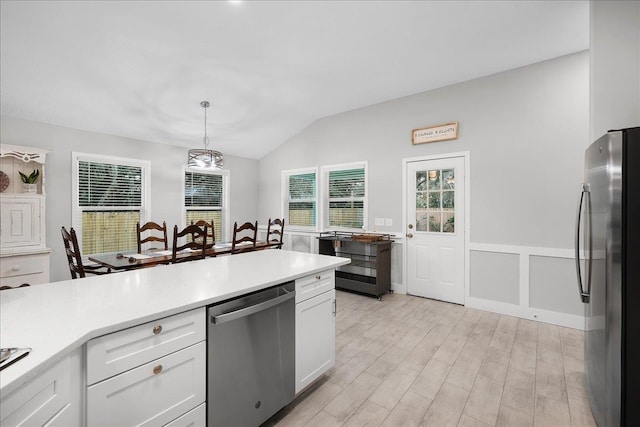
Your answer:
<point x="268" y="68"/>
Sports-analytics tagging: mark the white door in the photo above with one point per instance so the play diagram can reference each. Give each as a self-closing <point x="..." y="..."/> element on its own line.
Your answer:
<point x="435" y="229"/>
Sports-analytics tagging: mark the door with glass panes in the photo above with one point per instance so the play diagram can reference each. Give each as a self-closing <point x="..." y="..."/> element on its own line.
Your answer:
<point x="435" y="229"/>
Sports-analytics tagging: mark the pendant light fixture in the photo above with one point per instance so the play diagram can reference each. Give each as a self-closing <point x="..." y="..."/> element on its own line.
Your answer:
<point x="205" y="158"/>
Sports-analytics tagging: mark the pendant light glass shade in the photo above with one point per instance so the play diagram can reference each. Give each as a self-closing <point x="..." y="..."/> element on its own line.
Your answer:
<point x="204" y="157"/>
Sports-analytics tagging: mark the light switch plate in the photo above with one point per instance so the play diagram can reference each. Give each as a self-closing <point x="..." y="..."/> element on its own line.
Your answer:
<point x="388" y="222"/>
<point x="379" y="221"/>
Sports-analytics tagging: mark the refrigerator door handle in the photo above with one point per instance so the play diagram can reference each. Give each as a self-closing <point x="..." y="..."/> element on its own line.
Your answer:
<point x="584" y="296"/>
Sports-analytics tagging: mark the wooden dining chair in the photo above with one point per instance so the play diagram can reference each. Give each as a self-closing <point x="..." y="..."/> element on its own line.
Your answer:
<point x="74" y="257"/>
<point x="211" y="235"/>
<point x="152" y="237"/>
<point x="250" y="231"/>
<point x="275" y="233"/>
<point x="197" y="244"/>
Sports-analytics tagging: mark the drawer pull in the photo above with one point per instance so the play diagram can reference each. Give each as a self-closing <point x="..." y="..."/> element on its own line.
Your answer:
<point x="15" y="268"/>
<point x="157" y="329"/>
<point x="318" y="277"/>
<point x="157" y="369"/>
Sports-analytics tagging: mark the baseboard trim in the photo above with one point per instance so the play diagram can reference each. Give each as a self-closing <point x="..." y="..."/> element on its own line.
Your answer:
<point x="531" y="313"/>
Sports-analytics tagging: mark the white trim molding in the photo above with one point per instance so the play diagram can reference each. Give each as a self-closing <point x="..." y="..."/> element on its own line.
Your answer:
<point x="523" y="308"/>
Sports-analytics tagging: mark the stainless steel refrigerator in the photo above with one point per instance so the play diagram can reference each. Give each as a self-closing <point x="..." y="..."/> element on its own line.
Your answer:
<point x="608" y="269"/>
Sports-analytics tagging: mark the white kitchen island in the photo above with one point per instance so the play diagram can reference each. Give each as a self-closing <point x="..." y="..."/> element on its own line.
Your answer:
<point x="57" y="319"/>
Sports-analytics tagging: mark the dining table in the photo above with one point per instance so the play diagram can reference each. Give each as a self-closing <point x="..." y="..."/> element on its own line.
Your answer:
<point x="129" y="260"/>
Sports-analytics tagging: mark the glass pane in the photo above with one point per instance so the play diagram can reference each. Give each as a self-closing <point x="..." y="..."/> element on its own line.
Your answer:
<point x="104" y="184"/>
<point x="421" y="200"/>
<point x="346" y="183"/>
<point x="434" y="221"/>
<point x="448" y="225"/>
<point x="109" y="231"/>
<point x="421" y="180"/>
<point x="212" y="217"/>
<point x="302" y="213"/>
<point x="302" y="186"/>
<point x="433" y="177"/>
<point x="448" y="179"/>
<point x="422" y="221"/>
<point x="434" y="200"/>
<point x="447" y="199"/>
<point x="346" y="214"/>
<point x="201" y="189"/>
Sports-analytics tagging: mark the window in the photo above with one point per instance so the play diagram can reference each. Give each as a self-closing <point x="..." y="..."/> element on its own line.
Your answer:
<point x="205" y="198"/>
<point x="345" y="200"/>
<point x="300" y="197"/>
<point x="110" y="196"/>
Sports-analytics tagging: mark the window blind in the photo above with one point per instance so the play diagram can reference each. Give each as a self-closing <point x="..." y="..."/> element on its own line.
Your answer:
<point x="204" y="200"/>
<point x="346" y="198"/>
<point x="110" y="199"/>
<point x="302" y="201"/>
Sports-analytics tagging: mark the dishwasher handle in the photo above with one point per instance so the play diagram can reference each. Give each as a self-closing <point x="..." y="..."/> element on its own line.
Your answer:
<point x="252" y="309"/>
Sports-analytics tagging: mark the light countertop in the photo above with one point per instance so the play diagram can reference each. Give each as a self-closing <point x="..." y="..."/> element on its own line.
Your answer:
<point x="56" y="318"/>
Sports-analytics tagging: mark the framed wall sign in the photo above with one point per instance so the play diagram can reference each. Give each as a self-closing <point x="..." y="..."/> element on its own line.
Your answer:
<point x="443" y="132"/>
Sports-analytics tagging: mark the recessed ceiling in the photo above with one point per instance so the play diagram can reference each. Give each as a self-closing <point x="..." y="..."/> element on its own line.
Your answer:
<point x="269" y="68"/>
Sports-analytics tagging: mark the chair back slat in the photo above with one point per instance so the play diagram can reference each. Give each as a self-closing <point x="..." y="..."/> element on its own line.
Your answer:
<point x="152" y="227"/>
<point x="198" y="243"/>
<point x="251" y="237"/>
<point x="275" y="232"/>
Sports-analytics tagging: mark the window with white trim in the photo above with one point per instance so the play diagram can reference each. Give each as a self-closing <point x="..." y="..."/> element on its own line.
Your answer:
<point x="110" y="196"/>
<point x="345" y="196"/>
<point x="300" y="198"/>
<point x="205" y="198"/>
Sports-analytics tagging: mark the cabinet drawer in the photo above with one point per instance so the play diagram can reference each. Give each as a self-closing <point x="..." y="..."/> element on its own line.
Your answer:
<point x="155" y="393"/>
<point x="30" y="279"/>
<point x="194" y="418"/>
<point x="112" y="354"/>
<point x="315" y="284"/>
<point x="23" y="265"/>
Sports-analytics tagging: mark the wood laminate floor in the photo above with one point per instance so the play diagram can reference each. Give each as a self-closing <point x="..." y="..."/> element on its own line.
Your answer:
<point x="409" y="361"/>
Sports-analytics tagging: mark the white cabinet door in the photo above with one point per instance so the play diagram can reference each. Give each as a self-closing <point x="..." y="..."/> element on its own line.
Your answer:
<point x="51" y="399"/>
<point x="20" y="221"/>
<point x="152" y="394"/>
<point x="315" y="338"/>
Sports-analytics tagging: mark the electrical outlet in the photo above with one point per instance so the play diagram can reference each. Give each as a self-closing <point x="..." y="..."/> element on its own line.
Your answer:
<point x="379" y="221"/>
<point x="388" y="222"/>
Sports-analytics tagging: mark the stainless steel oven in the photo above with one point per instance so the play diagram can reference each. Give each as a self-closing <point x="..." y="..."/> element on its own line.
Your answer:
<point x="251" y="357"/>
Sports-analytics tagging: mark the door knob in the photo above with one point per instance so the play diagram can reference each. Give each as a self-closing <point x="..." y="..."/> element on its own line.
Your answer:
<point x="410" y="226"/>
<point x="409" y="235"/>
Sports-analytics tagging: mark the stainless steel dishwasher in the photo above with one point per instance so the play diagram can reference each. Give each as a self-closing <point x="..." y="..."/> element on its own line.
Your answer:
<point x="251" y="357"/>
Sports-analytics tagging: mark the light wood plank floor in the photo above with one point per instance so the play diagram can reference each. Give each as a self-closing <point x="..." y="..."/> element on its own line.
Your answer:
<point x="409" y="361"/>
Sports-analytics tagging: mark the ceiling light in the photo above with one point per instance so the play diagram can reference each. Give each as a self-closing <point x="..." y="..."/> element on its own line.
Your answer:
<point x="205" y="158"/>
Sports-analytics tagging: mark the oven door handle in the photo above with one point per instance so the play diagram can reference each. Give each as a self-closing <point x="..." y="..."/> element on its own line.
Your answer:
<point x="252" y="309"/>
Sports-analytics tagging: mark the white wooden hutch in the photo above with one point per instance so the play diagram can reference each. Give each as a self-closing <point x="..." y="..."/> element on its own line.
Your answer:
<point x="24" y="255"/>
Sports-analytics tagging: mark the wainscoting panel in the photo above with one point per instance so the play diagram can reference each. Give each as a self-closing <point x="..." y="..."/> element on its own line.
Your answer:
<point x="546" y="283"/>
<point x="494" y="276"/>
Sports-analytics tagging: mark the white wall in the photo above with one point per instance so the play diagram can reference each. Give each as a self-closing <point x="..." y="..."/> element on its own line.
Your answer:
<point x="615" y="66"/>
<point x="526" y="131"/>
<point x="166" y="176"/>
